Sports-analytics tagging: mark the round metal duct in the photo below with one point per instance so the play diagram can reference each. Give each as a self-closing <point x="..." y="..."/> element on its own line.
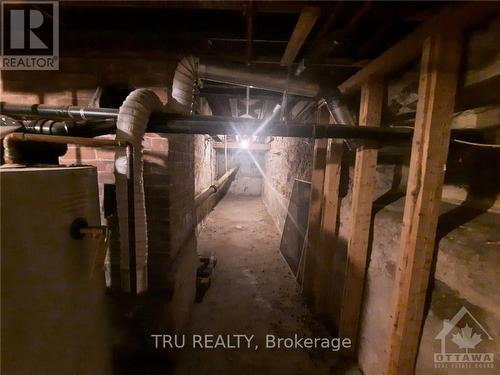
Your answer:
<point x="189" y="70"/>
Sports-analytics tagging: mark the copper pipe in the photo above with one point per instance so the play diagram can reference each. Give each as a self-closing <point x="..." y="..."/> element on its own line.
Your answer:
<point x="62" y="139"/>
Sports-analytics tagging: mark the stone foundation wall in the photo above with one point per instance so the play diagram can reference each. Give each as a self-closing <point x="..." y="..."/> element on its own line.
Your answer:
<point x="288" y="159"/>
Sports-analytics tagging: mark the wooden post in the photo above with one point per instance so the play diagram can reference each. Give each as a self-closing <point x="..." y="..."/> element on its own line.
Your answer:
<point x="437" y="87"/>
<point x="328" y="224"/>
<point x="310" y="257"/>
<point x="362" y="199"/>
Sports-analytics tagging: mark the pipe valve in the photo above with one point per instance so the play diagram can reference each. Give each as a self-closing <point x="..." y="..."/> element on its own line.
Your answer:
<point x="100" y="234"/>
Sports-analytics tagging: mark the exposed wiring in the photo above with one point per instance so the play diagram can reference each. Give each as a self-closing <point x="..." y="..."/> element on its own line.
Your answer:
<point x="485" y="145"/>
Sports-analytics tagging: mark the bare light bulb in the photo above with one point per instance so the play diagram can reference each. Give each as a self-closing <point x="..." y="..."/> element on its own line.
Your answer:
<point x="244" y="143"/>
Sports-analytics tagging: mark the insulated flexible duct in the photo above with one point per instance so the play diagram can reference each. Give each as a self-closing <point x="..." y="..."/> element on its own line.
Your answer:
<point x="131" y="124"/>
<point x="185" y="77"/>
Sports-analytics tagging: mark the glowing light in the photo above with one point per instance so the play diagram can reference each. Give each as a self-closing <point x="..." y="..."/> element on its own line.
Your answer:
<point x="244" y="143"/>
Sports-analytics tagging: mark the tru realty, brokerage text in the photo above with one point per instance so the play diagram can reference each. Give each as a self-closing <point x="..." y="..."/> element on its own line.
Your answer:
<point x="246" y="341"/>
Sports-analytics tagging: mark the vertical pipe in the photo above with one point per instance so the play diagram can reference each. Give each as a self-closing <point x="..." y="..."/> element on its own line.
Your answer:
<point x="248" y="100"/>
<point x="249" y="19"/>
<point x="131" y="221"/>
<point x="225" y="151"/>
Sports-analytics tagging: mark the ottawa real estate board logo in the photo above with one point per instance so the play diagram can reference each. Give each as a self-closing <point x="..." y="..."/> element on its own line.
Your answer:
<point x="462" y="340"/>
<point x="29" y="35"/>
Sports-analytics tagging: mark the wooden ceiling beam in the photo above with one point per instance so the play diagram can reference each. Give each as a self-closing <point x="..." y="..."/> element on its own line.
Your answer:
<point x="259" y="6"/>
<point x="458" y="16"/>
<point x="304" y="25"/>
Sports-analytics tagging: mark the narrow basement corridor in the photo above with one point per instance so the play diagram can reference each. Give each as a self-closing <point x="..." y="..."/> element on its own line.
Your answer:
<point x="249" y="187"/>
<point x="252" y="292"/>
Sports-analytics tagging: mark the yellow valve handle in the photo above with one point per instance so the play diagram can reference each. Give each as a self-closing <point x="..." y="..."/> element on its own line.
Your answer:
<point x="101" y="235"/>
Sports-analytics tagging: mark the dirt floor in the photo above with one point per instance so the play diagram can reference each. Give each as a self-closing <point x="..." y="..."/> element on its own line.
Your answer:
<point x="253" y="292"/>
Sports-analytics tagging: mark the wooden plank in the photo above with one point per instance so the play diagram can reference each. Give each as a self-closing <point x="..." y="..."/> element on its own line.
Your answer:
<point x="456" y="16"/>
<point x="304" y="25"/>
<point x="372" y="95"/>
<point x="251" y="146"/>
<point x="310" y="254"/>
<point x="437" y="88"/>
<point x="314" y="221"/>
<point x="329" y="224"/>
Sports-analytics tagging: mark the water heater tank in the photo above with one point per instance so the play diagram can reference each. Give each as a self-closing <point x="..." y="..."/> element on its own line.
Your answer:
<point x="53" y="314"/>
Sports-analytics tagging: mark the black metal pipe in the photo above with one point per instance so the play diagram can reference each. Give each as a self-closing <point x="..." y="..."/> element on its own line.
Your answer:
<point x="193" y="126"/>
<point x="57" y="112"/>
<point x="100" y="121"/>
<point x="161" y="122"/>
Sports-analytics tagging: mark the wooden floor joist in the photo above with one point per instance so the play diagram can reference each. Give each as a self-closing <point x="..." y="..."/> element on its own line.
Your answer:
<point x="372" y="95"/>
<point x="302" y="29"/>
<point x="460" y="16"/>
<point x="437" y="87"/>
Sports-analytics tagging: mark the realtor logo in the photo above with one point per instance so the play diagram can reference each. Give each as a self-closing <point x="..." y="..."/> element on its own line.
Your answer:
<point x="30" y="35"/>
<point x="461" y="339"/>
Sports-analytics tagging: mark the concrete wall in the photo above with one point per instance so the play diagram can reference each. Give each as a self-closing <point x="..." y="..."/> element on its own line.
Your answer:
<point x="169" y="167"/>
<point x="249" y="178"/>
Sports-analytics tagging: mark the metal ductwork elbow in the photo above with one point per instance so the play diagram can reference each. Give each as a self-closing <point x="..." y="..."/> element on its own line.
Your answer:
<point x="190" y="70"/>
<point x="338" y="108"/>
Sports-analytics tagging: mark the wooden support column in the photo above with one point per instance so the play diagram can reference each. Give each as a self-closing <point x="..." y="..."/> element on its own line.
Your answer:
<point x="310" y="257"/>
<point x="437" y="87"/>
<point x="362" y="199"/>
<point x="329" y="224"/>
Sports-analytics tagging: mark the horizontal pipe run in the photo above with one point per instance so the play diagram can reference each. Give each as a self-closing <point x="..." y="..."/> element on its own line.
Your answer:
<point x="58" y="112"/>
<point x="62" y="139"/>
<point x="205" y="194"/>
<point x="161" y="122"/>
<point x="169" y="123"/>
<point x="190" y="126"/>
<point x="271" y="81"/>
